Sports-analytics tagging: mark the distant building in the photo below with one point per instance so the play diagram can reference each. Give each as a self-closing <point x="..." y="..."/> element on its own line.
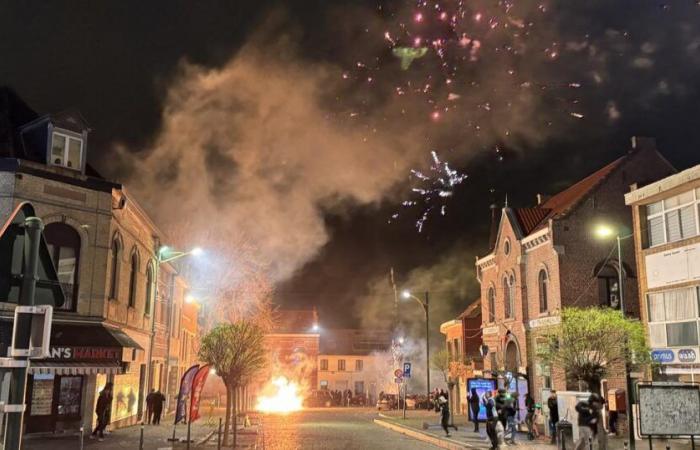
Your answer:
<point x="293" y="346"/>
<point x="545" y="257"/>
<point x="359" y="360"/>
<point x="667" y="247"/>
<point x="103" y="245"/>
<point x="463" y="344"/>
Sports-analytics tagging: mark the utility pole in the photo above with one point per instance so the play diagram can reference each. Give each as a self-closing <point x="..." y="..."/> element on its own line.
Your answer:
<point x="628" y="378"/>
<point x="426" y="306"/>
<point x="33" y="227"/>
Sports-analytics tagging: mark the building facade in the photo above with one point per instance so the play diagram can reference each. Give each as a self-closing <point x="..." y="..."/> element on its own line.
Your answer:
<point x="103" y="245"/>
<point x="358" y="360"/>
<point x="546" y="257"/>
<point x="666" y="217"/>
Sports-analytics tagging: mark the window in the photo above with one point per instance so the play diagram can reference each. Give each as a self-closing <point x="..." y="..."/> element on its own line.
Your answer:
<point x="66" y="150"/>
<point x="492" y="304"/>
<point x="324" y="364"/>
<point x="673" y="317"/>
<point x="359" y="387"/>
<point x="673" y="219"/>
<point x="114" y="269"/>
<point x="64" y="246"/>
<point x="543" y="283"/>
<point x="70" y="396"/>
<point x="359" y="365"/>
<point x="609" y="287"/>
<point x="133" y="275"/>
<point x="457" y="350"/>
<point x="506" y="247"/>
<point x="341" y="365"/>
<point x="149" y="289"/>
<point x="324" y="385"/>
<point x="509" y="296"/>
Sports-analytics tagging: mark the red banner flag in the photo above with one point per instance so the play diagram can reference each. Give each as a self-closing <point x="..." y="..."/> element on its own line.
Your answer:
<point x="197" y="385"/>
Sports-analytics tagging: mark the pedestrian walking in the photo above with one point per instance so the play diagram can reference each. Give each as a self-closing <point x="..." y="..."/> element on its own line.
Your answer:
<point x="530" y="416"/>
<point x="511" y="419"/>
<point x="474" y="406"/>
<point x="587" y="422"/>
<point x="158" y="401"/>
<point x="445" y="415"/>
<point x="553" y="406"/>
<point x="102" y="410"/>
<point x="491" y="419"/>
<point x="149" y="406"/>
<point x="501" y="401"/>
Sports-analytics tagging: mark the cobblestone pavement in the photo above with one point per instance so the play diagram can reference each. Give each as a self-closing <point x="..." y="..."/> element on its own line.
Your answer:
<point x="332" y="428"/>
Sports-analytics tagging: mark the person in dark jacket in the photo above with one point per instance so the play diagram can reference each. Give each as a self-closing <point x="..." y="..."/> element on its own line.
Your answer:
<point x="158" y="400"/>
<point x="444" y="414"/>
<point x="502" y="407"/>
<point x="587" y="421"/>
<point x="530" y="416"/>
<point x="474" y="406"/>
<point x="491" y="419"/>
<point x="102" y="410"/>
<point x="553" y="406"/>
<point x="149" y="406"/>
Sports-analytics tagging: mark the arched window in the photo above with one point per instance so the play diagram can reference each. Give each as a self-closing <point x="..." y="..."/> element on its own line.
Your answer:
<point x="543" y="283"/>
<point x="609" y="287"/>
<point x="64" y="245"/>
<point x="149" y="289"/>
<point x="114" y="268"/>
<point x="509" y="296"/>
<point x="492" y="304"/>
<point x="133" y="275"/>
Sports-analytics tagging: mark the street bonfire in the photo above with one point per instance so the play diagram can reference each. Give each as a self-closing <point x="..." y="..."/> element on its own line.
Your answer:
<point x="284" y="398"/>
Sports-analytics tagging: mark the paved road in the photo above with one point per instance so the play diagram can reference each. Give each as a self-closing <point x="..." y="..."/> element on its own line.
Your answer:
<point x="332" y="428"/>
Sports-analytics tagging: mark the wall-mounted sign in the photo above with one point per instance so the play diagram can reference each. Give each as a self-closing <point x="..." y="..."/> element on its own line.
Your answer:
<point x="662" y="356"/>
<point x="545" y="322"/>
<point x="86" y="353"/>
<point x="673" y="266"/>
<point x="490" y="330"/>
<point x="687" y="355"/>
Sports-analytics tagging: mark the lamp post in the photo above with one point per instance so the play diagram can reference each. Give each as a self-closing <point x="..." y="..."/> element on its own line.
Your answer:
<point x="604" y="231"/>
<point x="426" y="308"/>
<point x="163" y="255"/>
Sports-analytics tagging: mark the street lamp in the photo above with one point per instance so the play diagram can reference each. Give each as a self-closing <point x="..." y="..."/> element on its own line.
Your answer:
<point x="164" y="254"/>
<point x="426" y="307"/>
<point x="603" y="231"/>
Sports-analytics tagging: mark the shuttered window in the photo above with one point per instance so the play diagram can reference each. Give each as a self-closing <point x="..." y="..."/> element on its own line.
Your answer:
<point x="674" y="218"/>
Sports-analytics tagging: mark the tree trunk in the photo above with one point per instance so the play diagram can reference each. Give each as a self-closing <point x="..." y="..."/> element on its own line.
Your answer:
<point x="235" y="415"/>
<point x="227" y="417"/>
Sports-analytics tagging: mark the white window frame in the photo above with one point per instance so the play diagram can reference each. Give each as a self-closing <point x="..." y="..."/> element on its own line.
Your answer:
<point x="695" y="202"/>
<point x="68" y="137"/>
<point x="695" y="292"/>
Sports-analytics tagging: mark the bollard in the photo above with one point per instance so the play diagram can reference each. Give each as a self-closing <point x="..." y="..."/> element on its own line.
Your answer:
<point x="82" y="436"/>
<point x="189" y="428"/>
<point x="590" y="443"/>
<point x="141" y="438"/>
<point x="218" y="438"/>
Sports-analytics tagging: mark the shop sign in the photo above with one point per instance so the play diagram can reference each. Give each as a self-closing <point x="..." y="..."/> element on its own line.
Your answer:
<point x="662" y="356"/>
<point x="687" y="355"/>
<point x="86" y="353"/>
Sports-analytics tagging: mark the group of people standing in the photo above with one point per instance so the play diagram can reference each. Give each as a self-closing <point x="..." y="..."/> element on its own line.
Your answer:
<point x="501" y="412"/>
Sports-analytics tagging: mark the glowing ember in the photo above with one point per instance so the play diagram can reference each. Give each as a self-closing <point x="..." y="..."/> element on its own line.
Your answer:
<point x="286" y="399"/>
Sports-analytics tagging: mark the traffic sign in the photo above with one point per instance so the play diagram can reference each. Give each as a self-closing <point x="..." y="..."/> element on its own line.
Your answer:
<point x="407" y="370"/>
<point x="398" y="373"/>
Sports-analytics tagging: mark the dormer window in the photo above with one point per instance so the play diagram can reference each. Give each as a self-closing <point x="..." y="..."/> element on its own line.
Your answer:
<point x="66" y="150"/>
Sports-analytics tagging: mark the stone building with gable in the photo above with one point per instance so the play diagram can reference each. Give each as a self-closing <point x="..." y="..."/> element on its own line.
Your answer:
<point x="103" y="246"/>
<point x="545" y="257"/>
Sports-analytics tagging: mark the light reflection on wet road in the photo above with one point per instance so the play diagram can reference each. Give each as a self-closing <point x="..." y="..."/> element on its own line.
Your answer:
<point x="331" y="428"/>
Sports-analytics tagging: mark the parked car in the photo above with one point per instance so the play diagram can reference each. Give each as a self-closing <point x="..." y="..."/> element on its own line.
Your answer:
<point x="387" y="402"/>
<point x="318" y="398"/>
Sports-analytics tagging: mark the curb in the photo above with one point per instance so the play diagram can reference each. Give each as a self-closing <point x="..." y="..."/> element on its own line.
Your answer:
<point x="425" y="437"/>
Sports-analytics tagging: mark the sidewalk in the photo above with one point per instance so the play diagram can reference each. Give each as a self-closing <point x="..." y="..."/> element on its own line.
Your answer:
<point x="203" y="433"/>
<point x="425" y="426"/>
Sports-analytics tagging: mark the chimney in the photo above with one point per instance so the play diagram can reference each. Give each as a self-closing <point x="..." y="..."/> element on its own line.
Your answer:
<point x="541" y="198"/>
<point x="643" y="143"/>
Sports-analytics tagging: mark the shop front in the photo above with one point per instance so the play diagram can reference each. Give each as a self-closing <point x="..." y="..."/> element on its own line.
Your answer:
<point x="62" y="389"/>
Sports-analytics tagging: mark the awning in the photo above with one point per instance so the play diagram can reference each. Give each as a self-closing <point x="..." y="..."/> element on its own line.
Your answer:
<point x="75" y="368"/>
<point x="92" y="335"/>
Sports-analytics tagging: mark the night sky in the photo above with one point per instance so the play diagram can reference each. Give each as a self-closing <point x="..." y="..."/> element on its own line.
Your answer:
<point x="637" y="63"/>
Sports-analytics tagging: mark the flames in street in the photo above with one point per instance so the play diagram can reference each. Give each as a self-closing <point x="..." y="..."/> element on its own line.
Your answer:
<point x="285" y="397"/>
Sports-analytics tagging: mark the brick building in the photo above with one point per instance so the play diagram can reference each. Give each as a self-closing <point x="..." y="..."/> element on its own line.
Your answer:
<point x="666" y="217"/>
<point x="545" y="257"/>
<point x="293" y="347"/>
<point x="103" y="245"/>
<point x="358" y="360"/>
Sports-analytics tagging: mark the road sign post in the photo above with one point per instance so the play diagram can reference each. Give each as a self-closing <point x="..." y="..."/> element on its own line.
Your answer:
<point x="407" y="370"/>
